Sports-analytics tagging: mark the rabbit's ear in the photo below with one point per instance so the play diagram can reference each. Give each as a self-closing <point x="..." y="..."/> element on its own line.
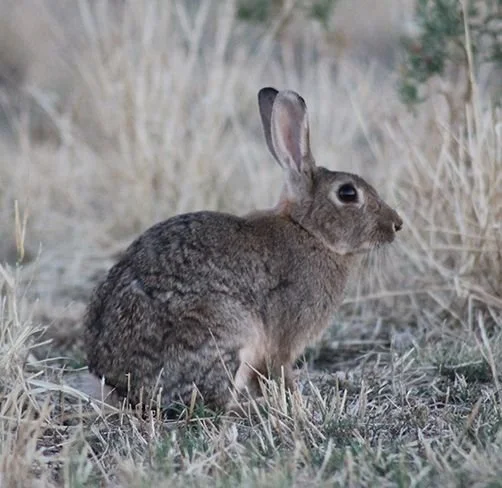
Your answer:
<point x="266" y="97"/>
<point x="290" y="133"/>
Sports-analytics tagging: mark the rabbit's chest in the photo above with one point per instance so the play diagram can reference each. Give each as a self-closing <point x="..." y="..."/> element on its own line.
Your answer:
<point x="319" y="294"/>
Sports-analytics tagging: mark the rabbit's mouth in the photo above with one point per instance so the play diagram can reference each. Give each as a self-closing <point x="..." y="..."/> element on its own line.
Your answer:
<point x="383" y="237"/>
<point x="366" y="247"/>
<point x="347" y="250"/>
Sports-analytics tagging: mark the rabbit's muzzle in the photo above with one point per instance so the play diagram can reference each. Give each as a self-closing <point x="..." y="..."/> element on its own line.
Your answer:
<point x="390" y="224"/>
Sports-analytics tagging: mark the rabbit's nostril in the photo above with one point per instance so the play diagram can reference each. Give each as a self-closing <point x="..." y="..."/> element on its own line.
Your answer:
<point x="397" y="226"/>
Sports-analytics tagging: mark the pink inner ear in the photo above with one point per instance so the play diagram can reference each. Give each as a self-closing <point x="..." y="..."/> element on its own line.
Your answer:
<point x="290" y="135"/>
<point x="290" y="138"/>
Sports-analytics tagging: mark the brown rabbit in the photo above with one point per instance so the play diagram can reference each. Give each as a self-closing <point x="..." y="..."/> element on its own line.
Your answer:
<point x="208" y="300"/>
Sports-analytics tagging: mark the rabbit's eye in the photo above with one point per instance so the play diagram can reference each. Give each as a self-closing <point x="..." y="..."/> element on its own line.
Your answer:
<point x="347" y="193"/>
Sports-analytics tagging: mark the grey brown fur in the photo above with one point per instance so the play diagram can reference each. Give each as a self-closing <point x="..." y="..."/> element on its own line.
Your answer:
<point x="208" y="299"/>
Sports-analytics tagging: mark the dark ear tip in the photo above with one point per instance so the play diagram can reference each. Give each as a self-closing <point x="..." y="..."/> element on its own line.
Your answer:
<point x="267" y="92"/>
<point x="292" y="96"/>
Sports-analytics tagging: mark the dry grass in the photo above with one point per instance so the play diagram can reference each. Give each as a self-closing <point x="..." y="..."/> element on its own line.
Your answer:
<point x="118" y="114"/>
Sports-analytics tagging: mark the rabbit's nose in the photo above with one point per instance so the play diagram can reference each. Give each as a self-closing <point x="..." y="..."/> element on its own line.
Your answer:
<point x="397" y="225"/>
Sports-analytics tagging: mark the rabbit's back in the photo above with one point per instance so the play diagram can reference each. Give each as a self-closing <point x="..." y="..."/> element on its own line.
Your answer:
<point x="192" y="256"/>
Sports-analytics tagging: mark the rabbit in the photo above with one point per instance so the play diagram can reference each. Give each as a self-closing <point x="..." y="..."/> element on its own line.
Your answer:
<point x="205" y="303"/>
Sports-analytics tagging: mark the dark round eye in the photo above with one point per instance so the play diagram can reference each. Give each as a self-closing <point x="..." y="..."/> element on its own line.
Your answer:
<point x="347" y="193"/>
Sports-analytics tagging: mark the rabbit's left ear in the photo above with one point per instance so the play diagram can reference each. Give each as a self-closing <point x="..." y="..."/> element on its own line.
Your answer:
<point x="290" y="133"/>
<point x="266" y="97"/>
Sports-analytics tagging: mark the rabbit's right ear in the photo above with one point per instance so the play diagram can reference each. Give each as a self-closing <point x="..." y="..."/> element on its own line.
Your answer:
<point x="290" y="134"/>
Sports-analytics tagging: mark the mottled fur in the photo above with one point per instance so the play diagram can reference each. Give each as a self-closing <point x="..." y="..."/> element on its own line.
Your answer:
<point x="208" y="299"/>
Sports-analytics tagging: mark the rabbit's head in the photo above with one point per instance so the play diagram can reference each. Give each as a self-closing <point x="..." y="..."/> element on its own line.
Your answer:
<point x="340" y="209"/>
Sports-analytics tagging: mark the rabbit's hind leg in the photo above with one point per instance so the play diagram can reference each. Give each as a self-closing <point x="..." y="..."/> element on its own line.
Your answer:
<point x="203" y="377"/>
